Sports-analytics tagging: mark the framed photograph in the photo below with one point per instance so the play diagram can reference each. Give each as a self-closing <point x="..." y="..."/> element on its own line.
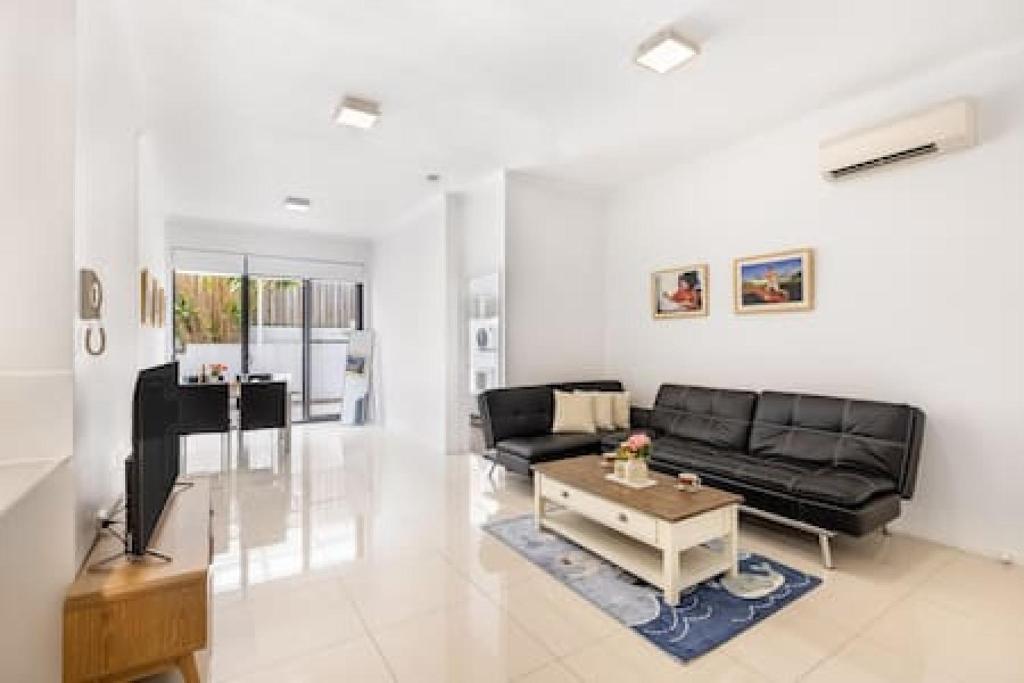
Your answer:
<point x="145" y="296"/>
<point x="680" y="292"/>
<point x="772" y="283"/>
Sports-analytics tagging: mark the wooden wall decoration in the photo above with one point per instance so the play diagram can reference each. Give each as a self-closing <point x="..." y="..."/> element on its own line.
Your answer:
<point x="145" y="297"/>
<point x="152" y="300"/>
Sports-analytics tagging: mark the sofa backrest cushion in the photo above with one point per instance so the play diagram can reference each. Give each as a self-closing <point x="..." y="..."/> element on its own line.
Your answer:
<point x="527" y="411"/>
<point x="516" y="411"/>
<point x="881" y="438"/>
<point x="718" y="417"/>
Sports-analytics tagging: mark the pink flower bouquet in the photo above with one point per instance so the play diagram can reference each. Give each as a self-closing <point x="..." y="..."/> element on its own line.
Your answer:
<point x="636" y="446"/>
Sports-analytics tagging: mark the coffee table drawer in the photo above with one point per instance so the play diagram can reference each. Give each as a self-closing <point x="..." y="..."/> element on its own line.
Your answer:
<point x="618" y="517"/>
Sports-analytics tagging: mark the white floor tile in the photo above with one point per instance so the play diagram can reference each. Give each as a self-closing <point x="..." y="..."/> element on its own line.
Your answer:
<point x="472" y="641"/>
<point x="361" y="557"/>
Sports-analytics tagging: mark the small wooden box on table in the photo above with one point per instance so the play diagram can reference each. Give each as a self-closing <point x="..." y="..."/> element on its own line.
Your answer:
<point x="656" y="533"/>
<point x="124" y="620"/>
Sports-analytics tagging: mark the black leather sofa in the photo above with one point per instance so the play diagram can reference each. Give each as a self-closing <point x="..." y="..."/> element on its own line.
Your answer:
<point x="517" y="425"/>
<point x="818" y="463"/>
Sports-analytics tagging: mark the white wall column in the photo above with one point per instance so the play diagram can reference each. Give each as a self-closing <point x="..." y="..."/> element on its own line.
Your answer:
<point x="37" y="128"/>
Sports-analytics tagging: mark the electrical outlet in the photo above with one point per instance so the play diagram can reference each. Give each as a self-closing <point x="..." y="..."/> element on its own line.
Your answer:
<point x="1006" y="557"/>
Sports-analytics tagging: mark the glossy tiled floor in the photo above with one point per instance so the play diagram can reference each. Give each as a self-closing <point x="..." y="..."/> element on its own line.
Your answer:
<point x="360" y="557"/>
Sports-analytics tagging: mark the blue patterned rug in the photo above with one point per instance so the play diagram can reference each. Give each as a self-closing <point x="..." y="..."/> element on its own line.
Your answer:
<point x="706" y="617"/>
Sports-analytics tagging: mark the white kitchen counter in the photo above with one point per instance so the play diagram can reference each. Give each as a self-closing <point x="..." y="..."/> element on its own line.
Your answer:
<point x="19" y="477"/>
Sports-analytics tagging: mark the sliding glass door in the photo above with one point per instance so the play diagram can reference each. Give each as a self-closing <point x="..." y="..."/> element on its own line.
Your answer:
<point x="277" y="334"/>
<point x="334" y="313"/>
<point x="299" y="326"/>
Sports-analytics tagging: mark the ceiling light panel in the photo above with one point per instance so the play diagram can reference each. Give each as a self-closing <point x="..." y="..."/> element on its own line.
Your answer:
<point x="664" y="52"/>
<point x="297" y="204"/>
<point x="357" y="113"/>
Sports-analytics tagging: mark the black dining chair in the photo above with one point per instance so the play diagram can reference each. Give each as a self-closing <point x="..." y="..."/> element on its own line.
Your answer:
<point x="264" y="405"/>
<point x="204" y="409"/>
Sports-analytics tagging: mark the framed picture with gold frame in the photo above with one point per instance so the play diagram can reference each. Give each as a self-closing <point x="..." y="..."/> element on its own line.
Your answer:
<point x="145" y="296"/>
<point x="774" y="283"/>
<point x="680" y="292"/>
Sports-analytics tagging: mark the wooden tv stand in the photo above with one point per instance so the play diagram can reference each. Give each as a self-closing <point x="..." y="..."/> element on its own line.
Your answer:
<point x="127" y="619"/>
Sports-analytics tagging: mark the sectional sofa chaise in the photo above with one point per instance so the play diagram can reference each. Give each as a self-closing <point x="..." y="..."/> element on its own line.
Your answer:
<point x="818" y="463"/>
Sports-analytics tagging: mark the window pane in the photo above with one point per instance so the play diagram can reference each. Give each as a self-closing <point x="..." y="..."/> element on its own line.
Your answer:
<point x="208" y="321"/>
<point x="332" y="320"/>
<point x="275" y="333"/>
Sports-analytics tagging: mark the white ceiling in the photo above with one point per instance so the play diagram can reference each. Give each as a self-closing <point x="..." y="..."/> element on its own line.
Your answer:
<point x="241" y="92"/>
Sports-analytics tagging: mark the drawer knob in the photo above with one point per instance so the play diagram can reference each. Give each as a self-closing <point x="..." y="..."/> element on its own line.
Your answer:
<point x="565" y="494"/>
<point x="623" y="518"/>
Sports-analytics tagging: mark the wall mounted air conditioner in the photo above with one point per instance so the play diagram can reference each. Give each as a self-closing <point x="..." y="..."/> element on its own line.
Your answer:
<point x="940" y="129"/>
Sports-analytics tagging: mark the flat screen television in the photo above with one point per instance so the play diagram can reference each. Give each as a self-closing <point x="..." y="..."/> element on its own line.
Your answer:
<point x="152" y="468"/>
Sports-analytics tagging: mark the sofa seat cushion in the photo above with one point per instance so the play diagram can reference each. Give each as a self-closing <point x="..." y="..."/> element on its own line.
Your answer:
<point x="770" y="500"/>
<point x="835" y="486"/>
<point x="680" y="447"/>
<point x="698" y="455"/>
<point x="842" y="487"/>
<point x="855" y="521"/>
<point x="550" y="446"/>
<point x="828" y="484"/>
<point x="769" y="476"/>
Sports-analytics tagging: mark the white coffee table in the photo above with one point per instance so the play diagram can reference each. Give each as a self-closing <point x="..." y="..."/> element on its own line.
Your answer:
<point x="657" y="534"/>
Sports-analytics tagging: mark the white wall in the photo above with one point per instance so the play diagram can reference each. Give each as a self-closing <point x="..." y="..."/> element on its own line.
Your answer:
<point x="246" y="238"/>
<point x="37" y="46"/>
<point x="410" y="318"/>
<point x="481" y="225"/>
<point x="555" y="281"/>
<point x="37" y="89"/>
<point x="477" y="228"/>
<point x="113" y="216"/>
<point x="154" y="342"/>
<point x="919" y="287"/>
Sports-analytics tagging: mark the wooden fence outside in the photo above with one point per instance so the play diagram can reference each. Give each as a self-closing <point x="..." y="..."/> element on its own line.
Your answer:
<point x="208" y="308"/>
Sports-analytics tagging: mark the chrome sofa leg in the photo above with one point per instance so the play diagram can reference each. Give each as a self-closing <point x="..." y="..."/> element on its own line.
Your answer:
<point x="826" y="550"/>
<point x="824" y="535"/>
<point x="490" y="472"/>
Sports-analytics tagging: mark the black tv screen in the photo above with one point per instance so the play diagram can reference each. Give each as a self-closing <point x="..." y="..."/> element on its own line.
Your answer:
<point x="152" y="468"/>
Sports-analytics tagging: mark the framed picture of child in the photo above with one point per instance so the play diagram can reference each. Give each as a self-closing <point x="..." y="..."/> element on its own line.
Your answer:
<point x="680" y="292"/>
<point x="778" y="282"/>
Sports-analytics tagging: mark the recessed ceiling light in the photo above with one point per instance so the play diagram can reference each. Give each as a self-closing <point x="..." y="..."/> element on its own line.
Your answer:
<point x="357" y="112"/>
<point x="299" y="204"/>
<point x="665" y="51"/>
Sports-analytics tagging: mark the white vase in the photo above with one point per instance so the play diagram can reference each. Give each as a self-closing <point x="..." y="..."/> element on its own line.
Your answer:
<point x="636" y="471"/>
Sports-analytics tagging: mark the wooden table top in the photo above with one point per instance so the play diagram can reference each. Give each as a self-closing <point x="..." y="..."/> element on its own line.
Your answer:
<point x="663" y="500"/>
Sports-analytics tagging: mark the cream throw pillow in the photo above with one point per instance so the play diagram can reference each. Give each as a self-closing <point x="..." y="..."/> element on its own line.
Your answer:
<point x="603" y="413"/>
<point x="574" y="412"/>
<point x="620" y="409"/>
